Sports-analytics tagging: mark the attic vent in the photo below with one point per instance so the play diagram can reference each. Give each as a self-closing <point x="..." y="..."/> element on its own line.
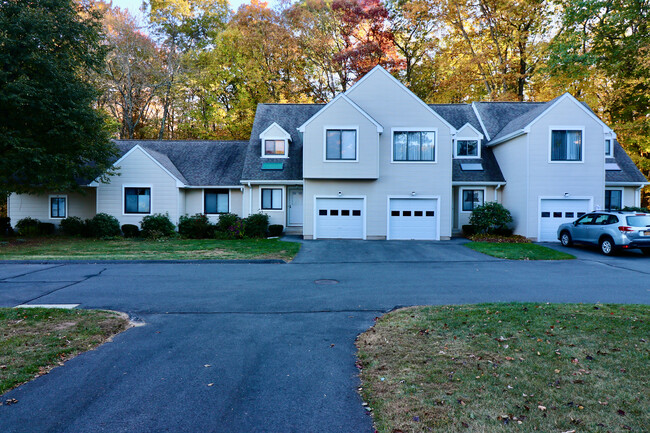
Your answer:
<point x="471" y="166"/>
<point x="612" y="166"/>
<point x="272" y="165"/>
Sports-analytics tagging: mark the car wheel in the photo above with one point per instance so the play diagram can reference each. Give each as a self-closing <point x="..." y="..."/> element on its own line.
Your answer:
<point x="607" y="246"/>
<point x="565" y="239"/>
<point x="645" y="251"/>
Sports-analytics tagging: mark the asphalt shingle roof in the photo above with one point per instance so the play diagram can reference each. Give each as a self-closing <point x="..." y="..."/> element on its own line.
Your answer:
<point x="497" y="115"/>
<point x="458" y="115"/>
<point x="490" y="173"/>
<point x="197" y="163"/>
<point x="629" y="172"/>
<point x="289" y="117"/>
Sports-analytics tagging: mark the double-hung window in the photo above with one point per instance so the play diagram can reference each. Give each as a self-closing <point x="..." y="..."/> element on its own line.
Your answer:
<point x="137" y="200"/>
<point x="275" y="147"/>
<point x="472" y="198"/>
<point x="566" y="145"/>
<point x="272" y="198"/>
<point x="58" y="207"/>
<point x="215" y="201"/>
<point x="341" y="144"/>
<point x="414" y="146"/>
<point x="613" y="199"/>
<point x="467" y="148"/>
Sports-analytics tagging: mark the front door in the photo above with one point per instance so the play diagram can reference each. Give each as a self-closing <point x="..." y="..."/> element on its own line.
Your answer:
<point x="294" y="198"/>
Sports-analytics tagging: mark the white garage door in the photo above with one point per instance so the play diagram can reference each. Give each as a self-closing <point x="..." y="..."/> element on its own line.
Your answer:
<point x="412" y="218"/>
<point x="554" y="212"/>
<point x="339" y="218"/>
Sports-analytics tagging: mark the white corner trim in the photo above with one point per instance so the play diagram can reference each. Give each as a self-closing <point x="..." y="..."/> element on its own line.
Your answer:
<point x="403" y="87"/>
<point x="480" y="121"/>
<point x="49" y="205"/>
<point x="342" y="96"/>
<point x="413" y="129"/>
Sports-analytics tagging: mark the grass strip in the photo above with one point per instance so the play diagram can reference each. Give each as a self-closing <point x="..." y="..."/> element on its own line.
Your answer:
<point x="518" y="251"/>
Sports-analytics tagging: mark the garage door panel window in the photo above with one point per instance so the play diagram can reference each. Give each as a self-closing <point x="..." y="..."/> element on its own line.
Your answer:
<point x="613" y="199"/>
<point x="414" y="146"/>
<point x="271" y="198"/>
<point x="566" y="145"/>
<point x="216" y="201"/>
<point x="341" y="144"/>
<point x="137" y="200"/>
<point x="472" y="198"/>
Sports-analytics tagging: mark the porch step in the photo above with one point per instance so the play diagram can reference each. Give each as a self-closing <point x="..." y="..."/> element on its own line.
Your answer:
<point x="293" y="231"/>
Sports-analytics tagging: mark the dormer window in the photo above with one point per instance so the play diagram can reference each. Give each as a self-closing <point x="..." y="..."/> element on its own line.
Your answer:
<point x="609" y="151"/>
<point x="467" y="148"/>
<point x="275" y="142"/>
<point x="275" y="148"/>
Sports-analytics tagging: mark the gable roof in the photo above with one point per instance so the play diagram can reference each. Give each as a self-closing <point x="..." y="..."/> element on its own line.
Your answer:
<point x="457" y="115"/>
<point x="496" y="115"/>
<point x="628" y="173"/>
<point x="194" y="163"/>
<point x="283" y="134"/>
<point x="342" y="96"/>
<point x="289" y="117"/>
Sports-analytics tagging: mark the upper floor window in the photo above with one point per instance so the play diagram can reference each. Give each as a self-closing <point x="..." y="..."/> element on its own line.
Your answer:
<point x="275" y="147"/>
<point x="613" y="199"/>
<point x="566" y="145"/>
<point x="58" y="206"/>
<point x="137" y="200"/>
<point x="414" y="146"/>
<point x="466" y="147"/>
<point x="609" y="151"/>
<point x="341" y="144"/>
<point x="215" y="201"/>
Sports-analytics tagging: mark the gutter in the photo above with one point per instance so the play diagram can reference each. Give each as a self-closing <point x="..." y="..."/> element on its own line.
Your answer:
<point x="495" y="192"/>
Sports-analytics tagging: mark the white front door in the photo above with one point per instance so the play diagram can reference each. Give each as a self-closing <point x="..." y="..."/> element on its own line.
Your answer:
<point x="556" y="211"/>
<point x="295" y="207"/>
<point x="339" y="218"/>
<point x="413" y="218"/>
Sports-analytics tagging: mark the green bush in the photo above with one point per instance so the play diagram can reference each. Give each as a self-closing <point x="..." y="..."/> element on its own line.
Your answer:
<point x="635" y="209"/>
<point x="468" y="230"/>
<point x="275" y="230"/>
<point x="226" y="221"/>
<point x="103" y="226"/>
<point x="256" y="225"/>
<point x="157" y="226"/>
<point x="490" y="218"/>
<point x="5" y="227"/>
<point x="46" y="229"/>
<point x="130" y="231"/>
<point x="195" y="227"/>
<point x="28" y="227"/>
<point x="73" y="226"/>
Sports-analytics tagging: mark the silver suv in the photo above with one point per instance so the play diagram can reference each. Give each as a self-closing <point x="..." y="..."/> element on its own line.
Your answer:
<point x="611" y="230"/>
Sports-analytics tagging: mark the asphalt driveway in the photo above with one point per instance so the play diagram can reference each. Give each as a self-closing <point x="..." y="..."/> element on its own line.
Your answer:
<point x="278" y="344"/>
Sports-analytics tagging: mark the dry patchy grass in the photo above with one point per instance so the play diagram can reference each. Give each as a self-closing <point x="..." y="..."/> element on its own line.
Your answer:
<point x="508" y="367"/>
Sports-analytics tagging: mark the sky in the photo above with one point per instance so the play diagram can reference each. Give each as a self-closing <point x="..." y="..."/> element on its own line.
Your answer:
<point x="134" y="5"/>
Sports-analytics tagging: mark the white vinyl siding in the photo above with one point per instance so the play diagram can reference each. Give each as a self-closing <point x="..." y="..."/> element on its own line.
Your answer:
<point x="81" y="205"/>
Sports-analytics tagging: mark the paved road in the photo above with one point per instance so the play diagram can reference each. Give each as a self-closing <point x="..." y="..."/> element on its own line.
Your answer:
<point x="280" y="347"/>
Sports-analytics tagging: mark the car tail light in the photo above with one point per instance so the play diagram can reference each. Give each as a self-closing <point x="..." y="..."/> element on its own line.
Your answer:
<point x="625" y="229"/>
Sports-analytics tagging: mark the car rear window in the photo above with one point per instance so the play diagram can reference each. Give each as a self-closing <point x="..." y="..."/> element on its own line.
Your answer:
<point x="638" y="220"/>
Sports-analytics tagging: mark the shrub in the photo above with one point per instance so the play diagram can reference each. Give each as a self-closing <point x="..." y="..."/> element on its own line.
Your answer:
<point x="103" y="225"/>
<point x="275" y="230"/>
<point x="490" y="217"/>
<point x="468" y="230"/>
<point x="635" y="209"/>
<point x="46" y="229"/>
<point x="130" y="231"/>
<point x="73" y="226"/>
<point x="195" y="227"/>
<point x="28" y="227"/>
<point x="5" y="226"/>
<point x="256" y="225"/>
<point x="157" y="226"/>
<point x="513" y="239"/>
<point x="226" y="220"/>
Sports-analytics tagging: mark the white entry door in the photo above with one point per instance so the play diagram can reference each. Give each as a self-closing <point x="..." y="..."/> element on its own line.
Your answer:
<point x="339" y="218"/>
<point x="413" y="218"/>
<point x="554" y="212"/>
<point x="295" y="207"/>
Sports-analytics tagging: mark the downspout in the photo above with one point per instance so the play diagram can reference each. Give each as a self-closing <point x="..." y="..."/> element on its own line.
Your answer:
<point x="250" y="199"/>
<point x="637" y="196"/>
<point x="496" y="197"/>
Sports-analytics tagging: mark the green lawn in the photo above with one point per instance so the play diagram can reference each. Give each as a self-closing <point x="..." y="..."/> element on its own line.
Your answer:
<point x="523" y="251"/>
<point x="54" y="248"/>
<point x="508" y="367"/>
<point x="35" y="340"/>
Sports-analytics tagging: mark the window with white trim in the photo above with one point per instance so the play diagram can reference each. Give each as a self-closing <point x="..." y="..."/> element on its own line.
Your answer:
<point x="275" y="147"/>
<point x="613" y="199"/>
<point x="137" y="200"/>
<point x="58" y="205"/>
<point x="609" y="151"/>
<point x="272" y="198"/>
<point x="215" y="201"/>
<point x="340" y="144"/>
<point x="566" y="145"/>
<point x="472" y="198"/>
<point x="466" y="147"/>
<point x="414" y="146"/>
